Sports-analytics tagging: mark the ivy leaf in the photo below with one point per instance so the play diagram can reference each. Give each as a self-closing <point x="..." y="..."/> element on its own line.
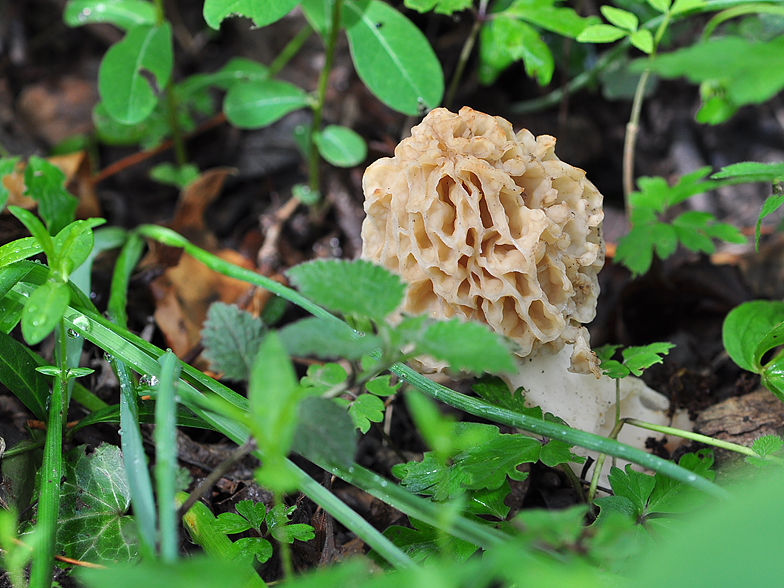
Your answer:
<point x="124" y="14"/>
<point x="325" y="433"/>
<point x="95" y="496"/>
<point x="392" y="57"/>
<point x="45" y="183"/>
<point x="231" y="339"/>
<point x="125" y="90"/>
<point x="480" y="350"/>
<point x="366" y="409"/>
<point x="326" y="339"/>
<point x="256" y="104"/>
<point x="261" y="12"/>
<point x="349" y="287"/>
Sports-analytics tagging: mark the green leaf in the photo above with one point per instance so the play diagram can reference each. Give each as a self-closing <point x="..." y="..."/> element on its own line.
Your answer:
<point x="325" y="433"/>
<point x="124" y="14"/>
<point x="495" y="391"/>
<point x="620" y="18"/>
<point x="424" y="542"/>
<point x="680" y="6"/>
<point x="366" y="409"/>
<point x="39" y="234"/>
<point x="643" y="40"/>
<point x="447" y="7"/>
<point x="506" y="40"/>
<point x="231" y="339"/>
<point x="349" y="287"/>
<point x="615" y="504"/>
<point x="632" y="485"/>
<point x="554" y="453"/>
<point x="392" y="57"/>
<point x="246" y="548"/>
<point x="43" y="310"/>
<point x="563" y="21"/>
<point x="261" y="12"/>
<point x="172" y="175"/>
<point x="230" y="523"/>
<point x="256" y="104"/>
<point x="752" y="171"/>
<point x="7" y="166"/>
<point x="321" y="378"/>
<point x="749" y="71"/>
<point x="73" y="245"/>
<point x="635" y="249"/>
<point x="45" y="183"/>
<point x="340" y="146"/>
<point x="381" y="386"/>
<point x="18" y="373"/>
<point x="660" y="5"/>
<point x="636" y="359"/>
<point x="765" y="446"/>
<point x="326" y="339"/>
<point x="123" y="82"/>
<point x="746" y="325"/>
<point x="489" y="502"/>
<point x="601" y="33"/>
<point x="480" y="350"/>
<point x="670" y="496"/>
<point x="255" y="512"/>
<point x="95" y="497"/>
<point x="237" y="70"/>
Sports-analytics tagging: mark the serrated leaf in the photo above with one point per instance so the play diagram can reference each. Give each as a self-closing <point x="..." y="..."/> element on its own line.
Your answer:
<point x="45" y="183"/>
<point x="615" y="504"/>
<point x="601" y="33"/>
<point x="495" y="391"/>
<point x="261" y="12"/>
<point x="256" y="104"/>
<point x="340" y="146"/>
<point x="255" y="512"/>
<point x="489" y="502"/>
<point x="326" y="339"/>
<point x="349" y="287"/>
<point x="767" y="445"/>
<point x="552" y="528"/>
<point x="424" y="542"/>
<point x="231" y="339"/>
<point x="18" y="374"/>
<point x="746" y="325"/>
<point x="670" y="496"/>
<point x="230" y="523"/>
<point x="249" y="547"/>
<point x="325" y="433"/>
<point x="122" y="83"/>
<point x="660" y="5"/>
<point x="641" y="357"/>
<point x="466" y="346"/>
<point x="95" y="497"/>
<point x="556" y="452"/>
<point x="643" y="40"/>
<point x="124" y="14"/>
<point x="752" y="171"/>
<point x="632" y="485"/>
<point x="620" y="18"/>
<point x="392" y="57"/>
<point x="366" y="409"/>
<point x="635" y="249"/>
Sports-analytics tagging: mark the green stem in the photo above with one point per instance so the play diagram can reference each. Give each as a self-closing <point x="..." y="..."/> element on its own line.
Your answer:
<point x="313" y="156"/>
<point x="51" y="473"/>
<point x="692" y="436"/>
<point x="289" y="51"/>
<point x="172" y="106"/>
<point x="465" y="53"/>
<point x="632" y="128"/>
<point x="285" y="550"/>
<point x="597" y="469"/>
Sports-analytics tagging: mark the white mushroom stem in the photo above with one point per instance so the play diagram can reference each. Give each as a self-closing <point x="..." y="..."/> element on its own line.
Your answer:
<point x="588" y="403"/>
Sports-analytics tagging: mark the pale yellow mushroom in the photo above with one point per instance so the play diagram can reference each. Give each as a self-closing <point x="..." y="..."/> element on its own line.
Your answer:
<point x="487" y="224"/>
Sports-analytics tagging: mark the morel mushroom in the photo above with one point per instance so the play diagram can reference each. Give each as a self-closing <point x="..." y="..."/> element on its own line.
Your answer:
<point x="490" y="225"/>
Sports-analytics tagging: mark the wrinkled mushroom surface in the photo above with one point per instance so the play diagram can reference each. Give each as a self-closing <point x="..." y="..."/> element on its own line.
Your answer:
<point x="489" y="225"/>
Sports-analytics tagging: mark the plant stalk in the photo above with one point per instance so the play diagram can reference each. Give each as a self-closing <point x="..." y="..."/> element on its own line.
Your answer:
<point x="465" y="53"/>
<point x="289" y="51"/>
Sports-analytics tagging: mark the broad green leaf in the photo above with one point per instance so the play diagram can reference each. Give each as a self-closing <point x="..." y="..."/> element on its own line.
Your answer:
<point x="750" y="72"/>
<point x="365" y="409"/>
<point x="752" y="171"/>
<point x="746" y="325"/>
<point x="495" y="391"/>
<point x="349" y="287"/>
<point x="552" y="528"/>
<point x="616" y="504"/>
<point x="489" y="502"/>
<point x="620" y="18"/>
<point x="479" y="349"/>
<point x="423" y="543"/>
<point x="632" y="485"/>
<point x="380" y="386"/>
<point x="439" y="6"/>
<point x="318" y="14"/>
<point x="321" y="378"/>
<point x="246" y="548"/>
<point x="601" y="33"/>
<point x="95" y="497"/>
<point x="643" y="40"/>
<point x="772" y="371"/>
<point x="45" y="183"/>
<point x="340" y="146"/>
<point x="124" y="14"/>
<point x="230" y="523"/>
<point x="256" y="104"/>
<point x="148" y="132"/>
<point x="173" y="175"/>
<point x="231" y="339"/>
<point x="326" y="340"/>
<point x="325" y="433"/>
<point x="123" y="78"/>
<point x="18" y="374"/>
<point x="563" y="21"/>
<point x="506" y="40"/>
<point x="43" y="310"/>
<point x="670" y="496"/>
<point x="392" y="57"/>
<point x="555" y="452"/>
<point x="635" y="249"/>
<point x="261" y="12"/>
<point x="7" y="166"/>
<point x="19" y="250"/>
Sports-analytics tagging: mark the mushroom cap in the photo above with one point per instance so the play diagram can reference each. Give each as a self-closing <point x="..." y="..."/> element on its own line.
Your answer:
<point x="489" y="225"/>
